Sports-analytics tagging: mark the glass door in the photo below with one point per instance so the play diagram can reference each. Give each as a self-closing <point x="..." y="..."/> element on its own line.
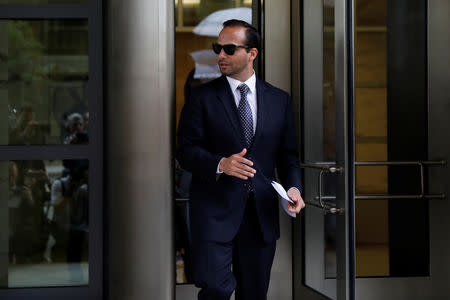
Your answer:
<point x="401" y="141"/>
<point x="375" y="136"/>
<point x="327" y="149"/>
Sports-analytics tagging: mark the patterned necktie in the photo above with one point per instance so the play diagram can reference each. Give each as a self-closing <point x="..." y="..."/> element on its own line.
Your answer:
<point x="245" y="114"/>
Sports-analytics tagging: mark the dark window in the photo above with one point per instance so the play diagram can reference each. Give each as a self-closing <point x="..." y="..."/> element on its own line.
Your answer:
<point x="51" y="149"/>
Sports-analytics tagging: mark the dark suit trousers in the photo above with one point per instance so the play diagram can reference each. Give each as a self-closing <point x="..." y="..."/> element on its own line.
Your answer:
<point x="250" y="256"/>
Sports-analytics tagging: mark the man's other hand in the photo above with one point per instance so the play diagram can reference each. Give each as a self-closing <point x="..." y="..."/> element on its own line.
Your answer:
<point x="238" y="166"/>
<point x="298" y="204"/>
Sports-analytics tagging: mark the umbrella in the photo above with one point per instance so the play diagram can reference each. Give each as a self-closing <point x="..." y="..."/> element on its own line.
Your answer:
<point x="205" y="64"/>
<point x="213" y="23"/>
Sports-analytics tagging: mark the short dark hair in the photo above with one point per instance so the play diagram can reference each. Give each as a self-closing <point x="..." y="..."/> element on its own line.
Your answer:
<point x="252" y="35"/>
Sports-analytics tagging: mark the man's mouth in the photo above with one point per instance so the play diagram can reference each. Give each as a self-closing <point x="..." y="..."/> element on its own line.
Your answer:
<point x="223" y="64"/>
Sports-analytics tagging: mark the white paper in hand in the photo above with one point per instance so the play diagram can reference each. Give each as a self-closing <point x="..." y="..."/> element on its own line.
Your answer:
<point x="284" y="197"/>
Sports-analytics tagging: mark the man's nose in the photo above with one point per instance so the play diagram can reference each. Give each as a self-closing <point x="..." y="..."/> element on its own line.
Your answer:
<point x="221" y="54"/>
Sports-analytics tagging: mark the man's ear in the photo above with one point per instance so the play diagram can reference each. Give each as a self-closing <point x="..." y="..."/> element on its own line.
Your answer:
<point x="253" y="53"/>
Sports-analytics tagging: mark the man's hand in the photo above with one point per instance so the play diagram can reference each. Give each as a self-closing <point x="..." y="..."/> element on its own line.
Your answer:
<point x="238" y="166"/>
<point x="294" y="195"/>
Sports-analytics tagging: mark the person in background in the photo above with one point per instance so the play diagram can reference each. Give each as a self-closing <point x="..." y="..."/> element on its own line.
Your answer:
<point x="74" y="126"/>
<point x="86" y="122"/>
<point x="79" y="219"/>
<point x="14" y="199"/>
<point x="28" y="221"/>
<point x="28" y="130"/>
<point x="58" y="214"/>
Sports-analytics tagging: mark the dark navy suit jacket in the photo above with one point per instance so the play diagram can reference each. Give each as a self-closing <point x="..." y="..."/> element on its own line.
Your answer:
<point x="210" y="129"/>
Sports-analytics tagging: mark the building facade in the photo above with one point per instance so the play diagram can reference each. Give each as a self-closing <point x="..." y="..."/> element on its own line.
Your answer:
<point x="97" y="206"/>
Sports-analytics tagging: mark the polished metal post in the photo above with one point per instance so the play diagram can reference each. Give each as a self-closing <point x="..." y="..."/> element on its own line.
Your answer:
<point x="344" y="149"/>
<point x="139" y="148"/>
<point x="277" y="60"/>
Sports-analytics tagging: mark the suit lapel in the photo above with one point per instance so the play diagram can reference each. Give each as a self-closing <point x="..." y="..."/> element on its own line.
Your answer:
<point x="225" y="95"/>
<point x="260" y="115"/>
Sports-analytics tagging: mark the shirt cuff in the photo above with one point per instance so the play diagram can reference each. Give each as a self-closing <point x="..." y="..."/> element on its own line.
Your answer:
<point x="218" y="171"/>
<point x="296" y="189"/>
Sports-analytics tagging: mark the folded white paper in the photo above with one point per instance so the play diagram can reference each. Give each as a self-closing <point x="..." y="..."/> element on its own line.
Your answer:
<point x="284" y="197"/>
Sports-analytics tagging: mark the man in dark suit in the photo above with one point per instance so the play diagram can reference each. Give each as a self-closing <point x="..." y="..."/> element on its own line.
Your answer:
<point x="233" y="133"/>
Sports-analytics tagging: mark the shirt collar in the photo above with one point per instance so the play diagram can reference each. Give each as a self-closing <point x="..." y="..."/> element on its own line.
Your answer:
<point x="251" y="83"/>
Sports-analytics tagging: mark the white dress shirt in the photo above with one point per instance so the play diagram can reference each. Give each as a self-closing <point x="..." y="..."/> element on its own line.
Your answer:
<point x="251" y="98"/>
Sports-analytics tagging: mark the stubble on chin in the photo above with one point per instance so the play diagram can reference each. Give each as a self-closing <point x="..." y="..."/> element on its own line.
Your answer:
<point x="226" y="72"/>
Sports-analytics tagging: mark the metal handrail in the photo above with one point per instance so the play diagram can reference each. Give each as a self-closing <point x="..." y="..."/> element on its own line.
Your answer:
<point x="182" y="199"/>
<point x="318" y="165"/>
<point x="401" y="163"/>
<point x="419" y="163"/>
<point x="384" y="197"/>
<point x="326" y="167"/>
<point x="330" y="167"/>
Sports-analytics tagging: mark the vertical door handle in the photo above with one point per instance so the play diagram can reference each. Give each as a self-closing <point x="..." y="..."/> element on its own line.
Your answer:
<point x="325" y="168"/>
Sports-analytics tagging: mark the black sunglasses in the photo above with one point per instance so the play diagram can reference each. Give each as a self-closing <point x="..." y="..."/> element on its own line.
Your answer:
<point x="229" y="49"/>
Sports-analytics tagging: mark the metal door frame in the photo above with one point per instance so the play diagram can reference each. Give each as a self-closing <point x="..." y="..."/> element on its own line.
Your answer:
<point x="345" y="148"/>
<point x="343" y="286"/>
<point x="93" y="13"/>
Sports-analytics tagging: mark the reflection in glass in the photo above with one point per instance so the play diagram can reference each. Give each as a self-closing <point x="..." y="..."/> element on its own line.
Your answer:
<point x="329" y="132"/>
<point x="198" y="24"/>
<point x="44" y="215"/>
<point x="196" y="10"/>
<point x="182" y="233"/>
<point x="44" y="82"/>
<point x="370" y="114"/>
<point x="390" y="121"/>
